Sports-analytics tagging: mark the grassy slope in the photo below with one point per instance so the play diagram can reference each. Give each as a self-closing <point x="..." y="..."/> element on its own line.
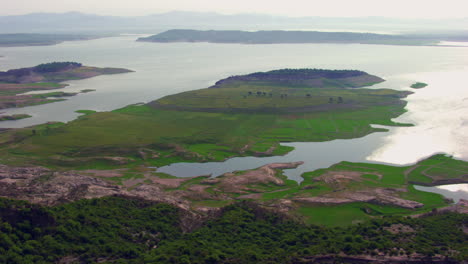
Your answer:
<point x="213" y="136"/>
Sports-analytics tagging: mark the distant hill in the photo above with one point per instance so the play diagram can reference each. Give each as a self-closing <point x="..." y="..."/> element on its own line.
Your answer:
<point x="280" y="36"/>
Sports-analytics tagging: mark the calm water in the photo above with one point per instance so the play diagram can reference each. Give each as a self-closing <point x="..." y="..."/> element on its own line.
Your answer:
<point x="439" y="111"/>
<point x="315" y="155"/>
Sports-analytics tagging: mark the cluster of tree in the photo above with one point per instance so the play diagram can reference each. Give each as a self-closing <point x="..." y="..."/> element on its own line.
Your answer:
<point x="56" y="66"/>
<point x="260" y="93"/>
<point x="306" y="73"/>
<point x="122" y="230"/>
<point x="339" y="100"/>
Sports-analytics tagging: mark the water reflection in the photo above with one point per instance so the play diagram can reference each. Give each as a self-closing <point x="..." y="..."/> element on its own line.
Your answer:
<point x="440" y="114"/>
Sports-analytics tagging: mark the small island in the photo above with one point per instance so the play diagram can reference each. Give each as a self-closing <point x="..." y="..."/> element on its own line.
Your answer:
<point x="284" y="37"/>
<point x="13" y="117"/>
<point x="14" y="83"/>
<point x="418" y="85"/>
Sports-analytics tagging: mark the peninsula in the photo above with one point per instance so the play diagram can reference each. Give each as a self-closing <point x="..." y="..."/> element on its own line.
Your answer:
<point x="91" y="192"/>
<point x="239" y="116"/>
<point x="282" y="36"/>
<point x="14" y="83"/>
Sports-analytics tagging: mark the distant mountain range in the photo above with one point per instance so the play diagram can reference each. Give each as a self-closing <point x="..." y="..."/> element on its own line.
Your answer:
<point x="75" y="22"/>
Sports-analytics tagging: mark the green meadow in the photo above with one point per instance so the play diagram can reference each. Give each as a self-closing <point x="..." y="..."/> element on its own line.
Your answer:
<point x="197" y="136"/>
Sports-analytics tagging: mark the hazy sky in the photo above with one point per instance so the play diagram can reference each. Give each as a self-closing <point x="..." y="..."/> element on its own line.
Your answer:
<point x="346" y="8"/>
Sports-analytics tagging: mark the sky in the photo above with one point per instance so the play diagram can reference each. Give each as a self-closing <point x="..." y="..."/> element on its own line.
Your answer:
<point x="326" y="8"/>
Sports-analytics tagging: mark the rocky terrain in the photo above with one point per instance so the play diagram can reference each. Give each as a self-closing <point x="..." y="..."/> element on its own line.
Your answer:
<point x="44" y="186"/>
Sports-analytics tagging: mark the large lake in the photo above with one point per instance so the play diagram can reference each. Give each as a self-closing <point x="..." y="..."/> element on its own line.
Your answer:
<point x="439" y="111"/>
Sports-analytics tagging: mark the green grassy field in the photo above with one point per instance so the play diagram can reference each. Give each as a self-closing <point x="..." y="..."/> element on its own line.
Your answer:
<point x="212" y="136"/>
<point x="268" y="98"/>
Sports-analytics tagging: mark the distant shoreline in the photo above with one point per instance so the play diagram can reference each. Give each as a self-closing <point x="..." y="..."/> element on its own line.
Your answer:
<point x="287" y="37"/>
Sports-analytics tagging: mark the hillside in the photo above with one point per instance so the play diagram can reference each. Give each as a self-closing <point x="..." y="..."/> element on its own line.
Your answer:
<point x="286" y="91"/>
<point x="123" y="230"/>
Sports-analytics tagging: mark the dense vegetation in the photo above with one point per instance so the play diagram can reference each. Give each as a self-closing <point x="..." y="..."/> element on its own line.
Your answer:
<point x="307" y="73"/>
<point x="303" y="78"/>
<point x="56" y="66"/>
<point x="119" y="230"/>
<point x="279" y="36"/>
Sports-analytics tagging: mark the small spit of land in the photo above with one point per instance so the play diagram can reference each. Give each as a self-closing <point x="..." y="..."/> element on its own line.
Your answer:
<point x="47" y="76"/>
<point x="32" y="39"/>
<point x="13" y="117"/>
<point x="280" y="36"/>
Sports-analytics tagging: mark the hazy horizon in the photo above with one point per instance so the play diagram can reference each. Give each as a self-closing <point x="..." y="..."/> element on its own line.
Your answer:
<point x="295" y="8"/>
